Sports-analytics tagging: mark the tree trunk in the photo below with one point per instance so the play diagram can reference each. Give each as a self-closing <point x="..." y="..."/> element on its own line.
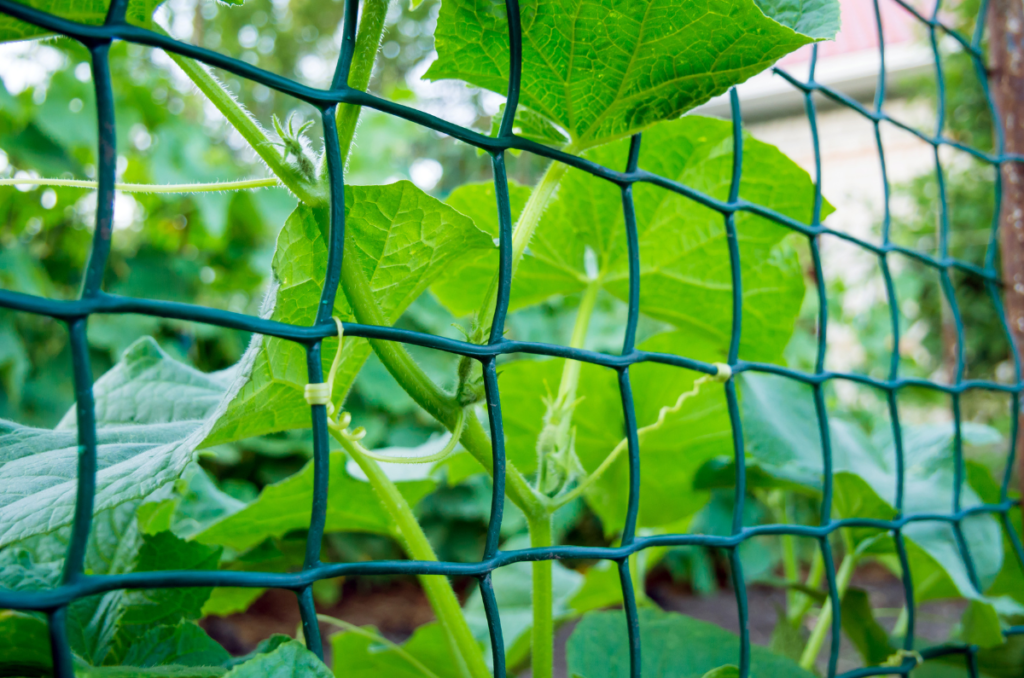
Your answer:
<point x="1006" y="75"/>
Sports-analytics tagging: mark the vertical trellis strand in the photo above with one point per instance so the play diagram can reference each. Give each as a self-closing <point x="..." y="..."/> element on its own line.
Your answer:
<point x="1006" y="72"/>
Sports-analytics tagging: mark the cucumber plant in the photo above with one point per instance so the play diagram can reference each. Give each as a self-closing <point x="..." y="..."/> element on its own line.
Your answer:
<point x="593" y="75"/>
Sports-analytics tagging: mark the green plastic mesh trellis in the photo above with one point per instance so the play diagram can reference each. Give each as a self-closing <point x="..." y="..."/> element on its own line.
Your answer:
<point x="76" y="584"/>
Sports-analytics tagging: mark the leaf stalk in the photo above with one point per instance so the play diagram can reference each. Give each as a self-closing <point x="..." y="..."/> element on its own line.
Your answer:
<point x="521" y="236"/>
<point x="437" y="587"/>
<point x="822" y="626"/>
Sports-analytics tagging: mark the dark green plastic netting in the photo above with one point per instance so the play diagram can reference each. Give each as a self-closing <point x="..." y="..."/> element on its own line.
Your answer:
<point x="75" y="314"/>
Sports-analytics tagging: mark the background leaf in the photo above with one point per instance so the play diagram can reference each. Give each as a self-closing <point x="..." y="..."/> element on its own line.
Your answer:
<point x="24" y="644"/>
<point x="106" y="628"/>
<point x="184" y="644"/>
<point x="784" y="451"/>
<point x="863" y="630"/>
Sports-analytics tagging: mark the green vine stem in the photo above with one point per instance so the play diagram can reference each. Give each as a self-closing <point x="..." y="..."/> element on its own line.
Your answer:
<point x="779" y="505"/>
<point x="437" y="587"/>
<point x="554" y="448"/>
<point x="434" y="458"/>
<point x="899" y="629"/>
<point x="804" y="602"/>
<point x="543" y="632"/>
<point x="824" y="623"/>
<point x="240" y="185"/>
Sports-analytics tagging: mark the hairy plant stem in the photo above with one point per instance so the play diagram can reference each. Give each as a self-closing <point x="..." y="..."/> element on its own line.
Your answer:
<point x="440" y="405"/>
<point x="790" y="567"/>
<point x="240" y="185"/>
<point x="251" y="131"/>
<point x="371" y="29"/>
<point x="521" y="235"/>
<point x="555" y="438"/>
<point x="804" y="602"/>
<point x="824" y="623"/>
<point x="571" y="371"/>
<point x="427" y="394"/>
<point x="437" y="587"/>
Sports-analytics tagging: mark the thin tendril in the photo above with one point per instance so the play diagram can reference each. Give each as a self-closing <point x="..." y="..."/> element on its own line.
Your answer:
<point x="241" y="185"/>
<point x="724" y="372"/>
<point x="340" y="428"/>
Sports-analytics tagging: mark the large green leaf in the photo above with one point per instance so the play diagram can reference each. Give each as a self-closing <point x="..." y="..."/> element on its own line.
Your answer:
<point x="670" y="456"/>
<point x="93" y="12"/>
<point x="685" y="276"/>
<point x="285" y="506"/>
<point x="109" y="628"/>
<point x="152" y="412"/>
<point x="359" y="655"/>
<point x="672" y="646"/>
<point x="402" y="240"/>
<point x="604" y="70"/>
